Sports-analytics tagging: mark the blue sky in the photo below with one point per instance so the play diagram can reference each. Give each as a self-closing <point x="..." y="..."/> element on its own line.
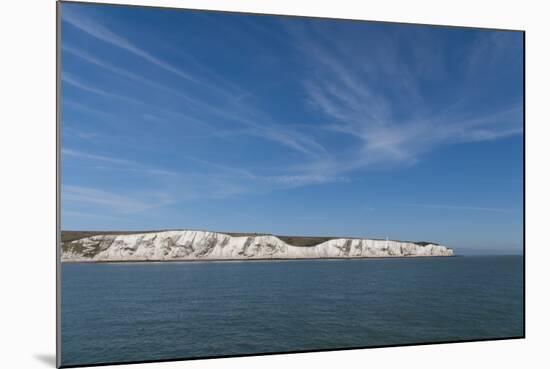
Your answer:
<point x="231" y="122"/>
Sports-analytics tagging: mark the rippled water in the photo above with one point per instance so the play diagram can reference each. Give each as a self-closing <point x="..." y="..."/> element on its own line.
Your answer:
<point x="154" y="311"/>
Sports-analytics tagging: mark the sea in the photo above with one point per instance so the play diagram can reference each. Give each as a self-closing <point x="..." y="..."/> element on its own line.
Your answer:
<point x="128" y="312"/>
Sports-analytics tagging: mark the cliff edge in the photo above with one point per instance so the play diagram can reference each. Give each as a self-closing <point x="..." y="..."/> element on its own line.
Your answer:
<point x="203" y="245"/>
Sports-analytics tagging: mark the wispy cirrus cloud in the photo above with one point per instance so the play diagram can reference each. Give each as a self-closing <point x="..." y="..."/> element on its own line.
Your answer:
<point x="386" y="124"/>
<point x="460" y="207"/>
<point x="389" y="125"/>
<point x="126" y="73"/>
<point x="78" y="83"/>
<point x="256" y="122"/>
<point x="488" y="49"/>
<point x="102" y="158"/>
<point x="103" y="33"/>
<point x="207" y="180"/>
<point x="278" y="104"/>
<point x="116" y="202"/>
<point x="81" y="134"/>
<point x="89" y="87"/>
<point x="96" y="202"/>
<point x="87" y="215"/>
<point x="77" y="106"/>
<point x="119" y="163"/>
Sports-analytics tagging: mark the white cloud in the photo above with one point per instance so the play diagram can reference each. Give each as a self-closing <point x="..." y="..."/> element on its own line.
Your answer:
<point x="116" y="202"/>
<point x="121" y="164"/>
<point x="257" y="123"/>
<point x="103" y="33"/>
<point x="76" y="82"/>
<point x="338" y="86"/>
<point x="124" y="72"/>
<point x="82" y="155"/>
<point x="389" y="125"/>
<point x="458" y="207"/>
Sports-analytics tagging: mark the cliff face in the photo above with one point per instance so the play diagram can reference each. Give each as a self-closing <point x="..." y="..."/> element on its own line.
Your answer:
<point x="200" y="245"/>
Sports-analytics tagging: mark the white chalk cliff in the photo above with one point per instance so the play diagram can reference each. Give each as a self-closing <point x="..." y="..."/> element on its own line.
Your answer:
<point x="201" y="245"/>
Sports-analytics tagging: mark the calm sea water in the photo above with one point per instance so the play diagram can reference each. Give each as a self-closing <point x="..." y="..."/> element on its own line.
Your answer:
<point x="155" y="311"/>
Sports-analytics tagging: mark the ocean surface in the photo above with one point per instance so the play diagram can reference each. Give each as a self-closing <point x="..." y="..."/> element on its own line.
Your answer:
<point x="153" y="311"/>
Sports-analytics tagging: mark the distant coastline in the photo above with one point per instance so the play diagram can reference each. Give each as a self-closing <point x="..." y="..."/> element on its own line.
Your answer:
<point x="194" y="245"/>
